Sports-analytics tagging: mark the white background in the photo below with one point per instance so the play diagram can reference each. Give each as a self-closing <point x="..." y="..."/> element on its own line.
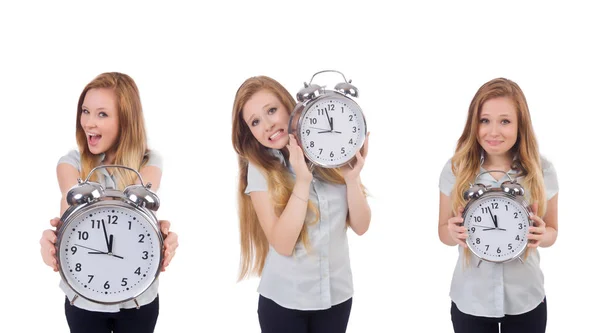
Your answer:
<point x="417" y="68"/>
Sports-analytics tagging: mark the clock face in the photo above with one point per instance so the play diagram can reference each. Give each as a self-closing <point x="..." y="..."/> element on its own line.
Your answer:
<point x="109" y="254"/>
<point x="332" y="130"/>
<point x="497" y="228"/>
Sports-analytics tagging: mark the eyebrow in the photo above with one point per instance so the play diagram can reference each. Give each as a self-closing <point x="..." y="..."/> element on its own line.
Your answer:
<point x="500" y="115"/>
<point x="101" y="109"/>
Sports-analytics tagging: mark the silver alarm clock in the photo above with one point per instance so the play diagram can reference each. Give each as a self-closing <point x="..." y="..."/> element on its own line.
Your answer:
<point x="497" y="220"/>
<point x="109" y="246"/>
<point x="328" y="124"/>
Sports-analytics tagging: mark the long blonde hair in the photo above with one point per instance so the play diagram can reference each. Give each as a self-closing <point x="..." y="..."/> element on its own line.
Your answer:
<point x="131" y="146"/>
<point x="254" y="244"/>
<point x="466" y="159"/>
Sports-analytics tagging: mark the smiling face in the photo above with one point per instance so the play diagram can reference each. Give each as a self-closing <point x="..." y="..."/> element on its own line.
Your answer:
<point x="498" y="126"/>
<point x="100" y="120"/>
<point x="267" y="119"/>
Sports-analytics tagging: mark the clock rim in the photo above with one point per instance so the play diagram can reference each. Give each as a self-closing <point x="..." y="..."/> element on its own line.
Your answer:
<point x="497" y="192"/>
<point x="300" y="111"/>
<point x="111" y="198"/>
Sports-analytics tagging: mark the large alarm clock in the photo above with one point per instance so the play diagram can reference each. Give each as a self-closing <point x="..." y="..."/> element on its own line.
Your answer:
<point x="497" y="220"/>
<point x="328" y="124"/>
<point x="109" y="246"/>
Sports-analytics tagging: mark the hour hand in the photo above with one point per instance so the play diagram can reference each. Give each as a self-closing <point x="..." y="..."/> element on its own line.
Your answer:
<point x="110" y="243"/>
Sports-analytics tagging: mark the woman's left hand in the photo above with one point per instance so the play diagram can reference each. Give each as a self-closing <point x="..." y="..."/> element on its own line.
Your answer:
<point x="351" y="172"/>
<point x="537" y="231"/>
<point x="170" y="243"/>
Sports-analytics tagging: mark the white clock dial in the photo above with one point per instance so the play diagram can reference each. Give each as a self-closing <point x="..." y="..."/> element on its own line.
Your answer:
<point x="109" y="254"/>
<point x="497" y="228"/>
<point x="332" y="131"/>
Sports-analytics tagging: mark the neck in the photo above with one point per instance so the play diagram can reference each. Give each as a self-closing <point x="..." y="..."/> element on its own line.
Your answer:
<point x="501" y="162"/>
<point x="109" y="158"/>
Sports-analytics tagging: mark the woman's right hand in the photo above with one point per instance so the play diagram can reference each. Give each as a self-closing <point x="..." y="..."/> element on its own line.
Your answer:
<point x="47" y="242"/>
<point x="457" y="232"/>
<point x="298" y="162"/>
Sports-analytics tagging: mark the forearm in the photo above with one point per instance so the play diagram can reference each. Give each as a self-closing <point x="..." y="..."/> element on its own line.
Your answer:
<point x="290" y="222"/>
<point x="444" y="235"/>
<point x="549" y="237"/>
<point x="358" y="207"/>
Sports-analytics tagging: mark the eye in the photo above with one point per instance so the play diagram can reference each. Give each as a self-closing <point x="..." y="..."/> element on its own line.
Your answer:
<point x="85" y="111"/>
<point x="102" y="115"/>
<point x="254" y="122"/>
<point x="272" y="110"/>
<point x="505" y="121"/>
<point x="483" y="121"/>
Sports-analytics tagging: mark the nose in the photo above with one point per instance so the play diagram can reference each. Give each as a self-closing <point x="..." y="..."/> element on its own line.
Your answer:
<point x="268" y="124"/>
<point x="495" y="129"/>
<point x="87" y="121"/>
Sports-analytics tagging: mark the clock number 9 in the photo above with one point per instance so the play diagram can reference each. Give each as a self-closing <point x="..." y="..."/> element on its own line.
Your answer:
<point x="73" y="249"/>
<point x="473" y="229"/>
<point x="307" y="132"/>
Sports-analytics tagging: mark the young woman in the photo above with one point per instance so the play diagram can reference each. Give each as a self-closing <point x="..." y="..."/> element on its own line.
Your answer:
<point x="293" y="224"/>
<point x="498" y="135"/>
<point x="109" y="130"/>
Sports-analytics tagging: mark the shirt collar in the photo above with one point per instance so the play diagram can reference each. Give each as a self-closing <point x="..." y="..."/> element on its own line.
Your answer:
<point x="277" y="153"/>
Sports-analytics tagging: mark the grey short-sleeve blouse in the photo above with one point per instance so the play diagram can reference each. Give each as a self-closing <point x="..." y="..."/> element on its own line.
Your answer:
<point x="319" y="278"/>
<point x="108" y="181"/>
<point x="495" y="290"/>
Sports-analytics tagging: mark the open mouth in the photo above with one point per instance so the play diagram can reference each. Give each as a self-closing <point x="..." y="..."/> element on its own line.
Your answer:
<point x="93" y="139"/>
<point x="276" y="135"/>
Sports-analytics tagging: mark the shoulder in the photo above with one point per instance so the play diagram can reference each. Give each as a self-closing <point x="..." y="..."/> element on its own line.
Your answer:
<point x="546" y="165"/>
<point x="153" y="158"/>
<point x="73" y="158"/>
<point x="550" y="177"/>
<point x="256" y="180"/>
<point x="447" y="178"/>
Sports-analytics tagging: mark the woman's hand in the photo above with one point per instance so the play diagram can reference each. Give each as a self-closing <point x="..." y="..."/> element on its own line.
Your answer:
<point x="537" y="231"/>
<point x="457" y="232"/>
<point x="352" y="172"/>
<point x="170" y="243"/>
<point x="298" y="162"/>
<point x="47" y="248"/>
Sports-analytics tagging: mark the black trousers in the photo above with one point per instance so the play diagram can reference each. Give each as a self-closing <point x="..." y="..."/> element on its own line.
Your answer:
<point x="274" y="318"/>
<point x="140" y="320"/>
<point x="533" y="321"/>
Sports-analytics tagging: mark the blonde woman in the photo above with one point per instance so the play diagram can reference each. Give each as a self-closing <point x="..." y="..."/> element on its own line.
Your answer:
<point x="498" y="135"/>
<point x="109" y="130"/>
<point x="293" y="224"/>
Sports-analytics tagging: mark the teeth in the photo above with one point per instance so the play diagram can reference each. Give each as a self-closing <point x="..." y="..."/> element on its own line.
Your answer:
<point x="92" y="135"/>
<point x="275" y="134"/>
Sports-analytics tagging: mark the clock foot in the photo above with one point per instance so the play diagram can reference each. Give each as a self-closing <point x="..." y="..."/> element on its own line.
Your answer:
<point x="74" y="298"/>
<point x="479" y="263"/>
<point x="521" y="260"/>
<point x="137" y="305"/>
